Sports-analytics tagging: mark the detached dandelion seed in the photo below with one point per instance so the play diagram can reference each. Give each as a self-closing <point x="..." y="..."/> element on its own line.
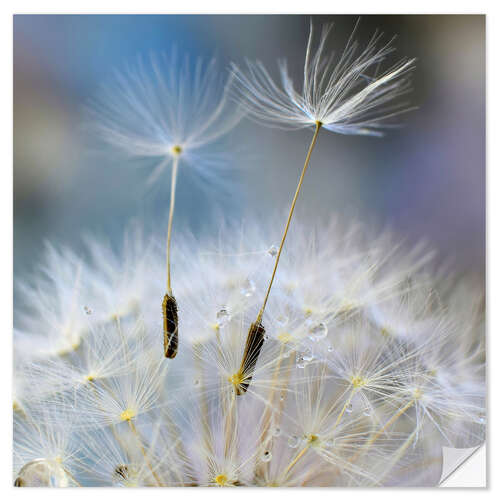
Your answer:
<point x="336" y="95"/>
<point x="167" y="109"/>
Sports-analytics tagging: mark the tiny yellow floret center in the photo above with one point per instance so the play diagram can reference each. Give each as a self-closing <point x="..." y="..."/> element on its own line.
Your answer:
<point x="358" y="381"/>
<point x="126" y="415"/>
<point x="284" y="338"/>
<point x="236" y="379"/>
<point x="176" y="150"/>
<point x="417" y="394"/>
<point x="221" y="479"/>
<point x="313" y="440"/>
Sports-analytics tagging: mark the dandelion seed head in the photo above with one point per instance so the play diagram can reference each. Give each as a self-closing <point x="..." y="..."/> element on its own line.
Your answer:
<point x="320" y="409"/>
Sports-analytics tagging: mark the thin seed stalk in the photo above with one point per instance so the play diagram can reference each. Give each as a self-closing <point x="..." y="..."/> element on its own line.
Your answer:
<point x="173" y="183"/>
<point x="390" y="421"/>
<point x="169" y="304"/>
<point x="344" y="408"/>
<point x="143" y="451"/>
<point x="299" y="455"/>
<point x="398" y="454"/>
<point x="258" y="322"/>
<point x="290" y="214"/>
<point x="380" y="431"/>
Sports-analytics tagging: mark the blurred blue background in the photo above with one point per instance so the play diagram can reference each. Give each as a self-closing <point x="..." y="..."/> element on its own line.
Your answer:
<point x="425" y="180"/>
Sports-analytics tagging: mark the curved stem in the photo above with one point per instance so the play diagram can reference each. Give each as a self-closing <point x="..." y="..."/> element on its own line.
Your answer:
<point x="295" y="460"/>
<point x="290" y="214"/>
<point x="173" y="183"/>
<point x="391" y="421"/>
<point x="135" y="432"/>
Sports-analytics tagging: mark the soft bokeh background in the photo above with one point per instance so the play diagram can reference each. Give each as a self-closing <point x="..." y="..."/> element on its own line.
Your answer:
<point x="425" y="180"/>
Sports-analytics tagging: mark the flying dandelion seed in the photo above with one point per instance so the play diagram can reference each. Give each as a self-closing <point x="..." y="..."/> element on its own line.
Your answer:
<point x="336" y="95"/>
<point x="167" y="109"/>
<point x="375" y="410"/>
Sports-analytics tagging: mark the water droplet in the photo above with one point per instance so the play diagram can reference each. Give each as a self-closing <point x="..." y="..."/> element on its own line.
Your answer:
<point x="276" y="431"/>
<point x="293" y="441"/>
<point x="308" y="355"/>
<point x="223" y="316"/>
<point x="348" y="408"/>
<point x="282" y="398"/>
<point x="330" y="348"/>
<point x="266" y="457"/>
<point x="87" y="310"/>
<point x="318" y="331"/>
<point x="301" y="362"/>
<point x="481" y="419"/>
<point x="248" y="288"/>
<point x="367" y="412"/>
<point x="196" y="382"/>
<point x="273" y="251"/>
<point x="41" y="472"/>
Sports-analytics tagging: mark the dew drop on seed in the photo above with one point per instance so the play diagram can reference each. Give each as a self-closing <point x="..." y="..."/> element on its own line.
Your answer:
<point x="282" y="398"/>
<point x="196" y="382"/>
<point x="223" y="317"/>
<point x="330" y="348"/>
<point x="266" y="457"/>
<point x="87" y="310"/>
<point x="308" y="355"/>
<point x="318" y="331"/>
<point x="273" y="251"/>
<point x="367" y="411"/>
<point x="348" y="408"/>
<point x="248" y="288"/>
<point x="276" y="431"/>
<point x="301" y="363"/>
<point x="481" y="419"/>
<point x="293" y="441"/>
<point x="41" y="472"/>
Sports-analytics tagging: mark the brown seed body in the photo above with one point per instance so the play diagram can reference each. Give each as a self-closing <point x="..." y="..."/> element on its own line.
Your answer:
<point x="170" y="326"/>
<point x="255" y="341"/>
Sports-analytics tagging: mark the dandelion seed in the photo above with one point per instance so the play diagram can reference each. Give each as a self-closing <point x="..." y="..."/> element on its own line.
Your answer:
<point x="167" y="110"/>
<point x="335" y="97"/>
